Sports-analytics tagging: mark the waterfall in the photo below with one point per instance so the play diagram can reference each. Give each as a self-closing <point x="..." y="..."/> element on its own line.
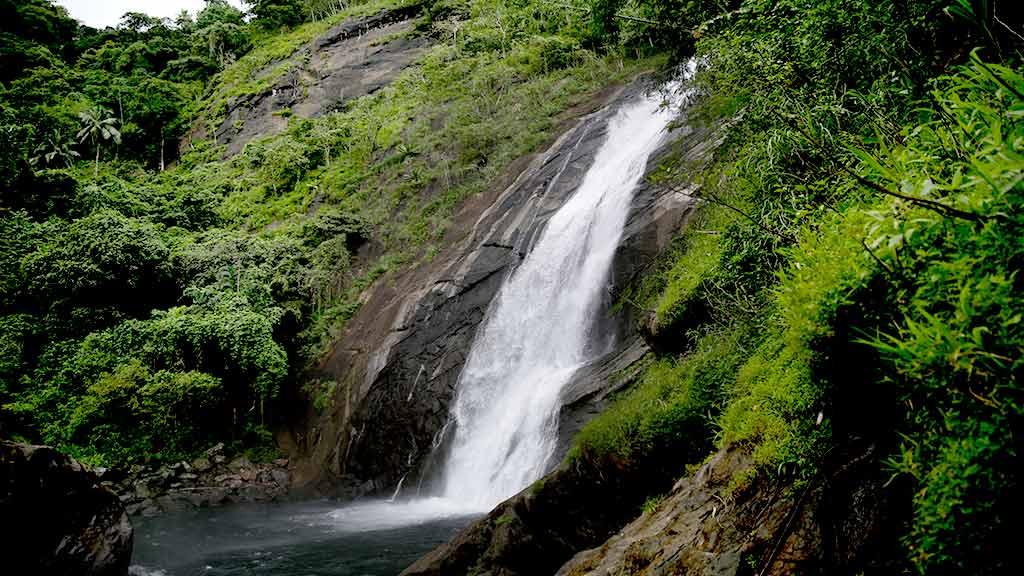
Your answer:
<point x="537" y="330"/>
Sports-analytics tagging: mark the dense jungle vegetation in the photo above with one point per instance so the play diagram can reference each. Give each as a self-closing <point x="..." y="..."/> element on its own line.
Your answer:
<point x="156" y="300"/>
<point x="851" y="278"/>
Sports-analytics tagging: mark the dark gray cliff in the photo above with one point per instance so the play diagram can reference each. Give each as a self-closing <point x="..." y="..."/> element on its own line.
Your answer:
<point x="55" y="519"/>
<point x="353" y="59"/>
<point x="399" y="361"/>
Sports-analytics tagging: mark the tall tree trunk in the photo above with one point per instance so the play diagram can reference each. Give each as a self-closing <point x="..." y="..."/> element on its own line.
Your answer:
<point x="162" y="140"/>
<point x="96" y="168"/>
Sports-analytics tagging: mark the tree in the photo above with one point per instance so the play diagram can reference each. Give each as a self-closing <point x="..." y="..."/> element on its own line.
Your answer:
<point x="97" y="127"/>
<point x="219" y="32"/>
<point x="54" y="150"/>
<point x="275" y="14"/>
<point x="327" y="131"/>
<point x="320" y="9"/>
<point x="33" y="33"/>
<point x="103" y="261"/>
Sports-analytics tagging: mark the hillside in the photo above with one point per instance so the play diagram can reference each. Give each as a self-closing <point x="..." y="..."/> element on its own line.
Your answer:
<point x="212" y="285"/>
<point x="280" y="231"/>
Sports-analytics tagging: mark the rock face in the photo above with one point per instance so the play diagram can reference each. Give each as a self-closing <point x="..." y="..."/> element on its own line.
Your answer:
<point x="398" y="363"/>
<point x="581" y="504"/>
<point x="353" y="59"/>
<point x="840" y="522"/>
<point x="56" y="519"/>
<point x="577" y="506"/>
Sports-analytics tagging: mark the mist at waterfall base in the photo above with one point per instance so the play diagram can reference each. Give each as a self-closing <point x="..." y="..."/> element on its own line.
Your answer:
<point x="537" y="334"/>
<point x="370" y="538"/>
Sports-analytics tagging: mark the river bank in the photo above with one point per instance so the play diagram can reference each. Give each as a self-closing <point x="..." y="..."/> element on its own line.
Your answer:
<point x="213" y="479"/>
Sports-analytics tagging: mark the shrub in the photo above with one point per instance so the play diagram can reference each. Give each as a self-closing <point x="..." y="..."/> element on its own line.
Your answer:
<point x="140" y="414"/>
<point x="671" y="406"/>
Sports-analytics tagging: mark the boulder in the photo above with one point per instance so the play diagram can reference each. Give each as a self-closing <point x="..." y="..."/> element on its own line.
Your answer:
<point x="576" y="507"/>
<point x="280" y="477"/>
<point x="57" y="520"/>
<point x="239" y="463"/>
<point x="175" y="502"/>
<point x="207" y="497"/>
<point x="142" y="490"/>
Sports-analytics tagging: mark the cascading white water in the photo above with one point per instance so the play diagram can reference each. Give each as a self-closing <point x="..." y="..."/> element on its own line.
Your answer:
<point x="534" y="339"/>
<point x="537" y="331"/>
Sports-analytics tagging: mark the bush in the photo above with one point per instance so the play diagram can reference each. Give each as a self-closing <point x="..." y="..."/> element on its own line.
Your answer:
<point x="101" y="260"/>
<point x="671" y="407"/>
<point x="139" y="414"/>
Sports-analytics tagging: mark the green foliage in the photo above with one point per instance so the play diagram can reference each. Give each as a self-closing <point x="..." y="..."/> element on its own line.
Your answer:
<point x="17" y="239"/>
<point x="216" y="364"/>
<point x="322" y="393"/>
<point x="15" y="331"/>
<point x="102" y="260"/>
<point x="133" y="277"/>
<point x="43" y="32"/>
<point x="671" y="406"/>
<point x="133" y="411"/>
<point x="683" y="280"/>
<point x="644" y="24"/>
<point x="865" y="216"/>
<point x="274" y="14"/>
<point x="652" y="503"/>
<point x="146" y="73"/>
<point x="955" y="353"/>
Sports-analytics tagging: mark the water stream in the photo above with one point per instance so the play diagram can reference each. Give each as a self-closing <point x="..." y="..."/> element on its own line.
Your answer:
<point x="537" y="334"/>
<point x="538" y="330"/>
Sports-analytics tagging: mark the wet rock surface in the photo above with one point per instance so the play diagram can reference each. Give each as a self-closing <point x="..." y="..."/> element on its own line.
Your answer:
<point x="213" y="479"/>
<point x="353" y="59"/>
<point x="575" y="507"/>
<point x="592" y="388"/>
<point x="843" y="521"/>
<point x="398" y="364"/>
<point x="582" y="503"/>
<point x="56" y="518"/>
